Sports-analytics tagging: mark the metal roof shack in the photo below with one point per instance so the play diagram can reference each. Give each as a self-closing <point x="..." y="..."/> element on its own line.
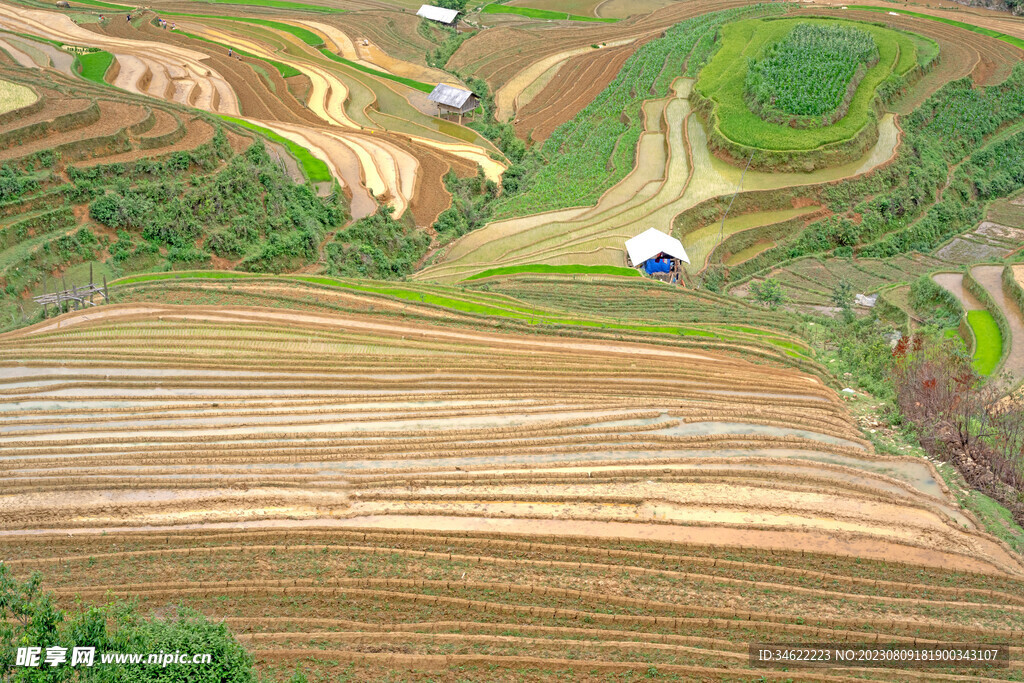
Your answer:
<point x="452" y="100"/>
<point x="652" y="242"/>
<point x="438" y="14"/>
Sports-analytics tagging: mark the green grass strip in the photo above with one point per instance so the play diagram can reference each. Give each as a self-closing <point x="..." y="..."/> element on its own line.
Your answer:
<point x="970" y="27"/>
<point x="185" y="274"/>
<point x="305" y="35"/>
<point x="38" y="39"/>
<point x="93" y="66"/>
<point x="418" y="85"/>
<point x="989" y="341"/>
<point x="284" y="69"/>
<point x="472" y="304"/>
<point x="495" y="8"/>
<point x="315" y="169"/>
<point x="545" y="268"/>
<point x="279" y="4"/>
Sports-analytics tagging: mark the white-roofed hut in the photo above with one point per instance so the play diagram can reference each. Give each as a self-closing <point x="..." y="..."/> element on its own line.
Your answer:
<point x="448" y="17"/>
<point x="451" y="100"/>
<point x="657" y="254"/>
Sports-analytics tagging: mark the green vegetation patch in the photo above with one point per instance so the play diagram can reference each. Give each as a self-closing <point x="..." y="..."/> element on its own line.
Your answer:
<point x="545" y="268"/>
<point x="989" y="341"/>
<point x="93" y="66"/>
<point x="315" y="169"/>
<point x="495" y="8"/>
<point x="412" y="83"/>
<point x="806" y="78"/>
<point x="723" y="82"/>
<point x="378" y="247"/>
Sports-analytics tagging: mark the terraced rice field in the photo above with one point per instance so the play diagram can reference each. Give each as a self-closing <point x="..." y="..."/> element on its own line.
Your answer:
<point x="674" y="172"/>
<point x="809" y="281"/>
<point x="379" y="492"/>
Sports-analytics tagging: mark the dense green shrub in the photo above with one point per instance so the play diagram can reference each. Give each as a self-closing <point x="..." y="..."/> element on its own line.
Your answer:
<point x="470" y="207"/>
<point x="29" y="618"/>
<point x="249" y="208"/>
<point x="935" y="303"/>
<point x="377" y="246"/>
<point x="14" y="184"/>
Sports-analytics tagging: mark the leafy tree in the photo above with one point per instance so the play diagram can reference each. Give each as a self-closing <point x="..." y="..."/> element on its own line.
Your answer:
<point x="769" y="293"/>
<point x="842" y="298"/>
<point x="451" y="4"/>
<point x="470" y="209"/>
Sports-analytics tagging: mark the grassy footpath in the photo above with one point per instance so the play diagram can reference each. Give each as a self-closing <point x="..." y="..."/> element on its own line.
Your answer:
<point x="545" y="268"/>
<point x="970" y="27"/>
<point x="93" y="66"/>
<point x="989" y="341"/>
<point x="277" y="4"/>
<point x="315" y="169"/>
<point x="495" y="8"/>
<point x="412" y="83"/>
<point x="284" y="69"/>
<point x="480" y="303"/>
<point x="303" y="34"/>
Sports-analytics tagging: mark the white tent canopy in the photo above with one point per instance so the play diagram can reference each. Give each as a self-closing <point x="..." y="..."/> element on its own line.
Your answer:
<point x="652" y="242"/>
<point x="445" y="16"/>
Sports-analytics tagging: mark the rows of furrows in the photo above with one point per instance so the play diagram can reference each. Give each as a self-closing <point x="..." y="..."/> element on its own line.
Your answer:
<point x="213" y="416"/>
<point x="291" y="593"/>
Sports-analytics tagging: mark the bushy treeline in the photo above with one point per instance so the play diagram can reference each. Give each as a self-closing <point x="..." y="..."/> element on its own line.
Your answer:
<point x="249" y="209"/>
<point x="451" y="42"/>
<point x="377" y="246"/>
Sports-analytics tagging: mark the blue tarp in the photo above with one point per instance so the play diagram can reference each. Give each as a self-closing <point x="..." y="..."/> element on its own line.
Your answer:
<point x="656" y="266"/>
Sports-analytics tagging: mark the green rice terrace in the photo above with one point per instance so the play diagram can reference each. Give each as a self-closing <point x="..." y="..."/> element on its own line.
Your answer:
<point x="519" y="341"/>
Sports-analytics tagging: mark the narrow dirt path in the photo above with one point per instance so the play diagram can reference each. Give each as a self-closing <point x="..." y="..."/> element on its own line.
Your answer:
<point x="954" y="283"/>
<point x="991" y="278"/>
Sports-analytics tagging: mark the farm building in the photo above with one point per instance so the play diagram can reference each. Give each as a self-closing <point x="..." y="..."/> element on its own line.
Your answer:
<point x="452" y="100"/>
<point x="448" y="17"/>
<point x="657" y="253"/>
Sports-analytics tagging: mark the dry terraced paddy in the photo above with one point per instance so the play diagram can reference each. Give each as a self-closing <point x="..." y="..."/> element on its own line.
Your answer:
<point x="370" y="135"/>
<point x="396" y="154"/>
<point x="146" y="67"/>
<point x="374" y="492"/>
